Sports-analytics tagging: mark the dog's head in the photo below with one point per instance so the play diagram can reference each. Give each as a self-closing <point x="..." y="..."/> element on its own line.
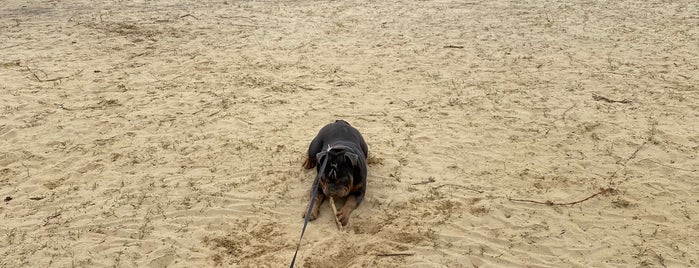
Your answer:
<point x="336" y="180"/>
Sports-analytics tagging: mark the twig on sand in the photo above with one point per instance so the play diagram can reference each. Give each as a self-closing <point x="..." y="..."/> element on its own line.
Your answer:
<point x="551" y="203"/>
<point x="459" y="186"/>
<point x="668" y="166"/>
<point x="395" y="254"/>
<point x="453" y="46"/>
<point x="337" y="221"/>
<point x="359" y="115"/>
<point x="608" y="100"/>
<point x="633" y="155"/>
<point x="428" y="180"/>
<point x="48" y="218"/>
<point x="563" y="116"/>
<point x="51" y="79"/>
<point x="189" y="15"/>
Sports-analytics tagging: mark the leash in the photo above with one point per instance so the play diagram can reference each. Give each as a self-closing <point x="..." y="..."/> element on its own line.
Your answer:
<point x="314" y="193"/>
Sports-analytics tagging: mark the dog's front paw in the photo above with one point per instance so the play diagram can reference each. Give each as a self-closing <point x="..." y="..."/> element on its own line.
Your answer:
<point x="314" y="214"/>
<point x="343" y="215"/>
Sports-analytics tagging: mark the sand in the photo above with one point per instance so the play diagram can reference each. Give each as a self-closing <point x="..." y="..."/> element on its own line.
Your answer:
<point x="501" y="133"/>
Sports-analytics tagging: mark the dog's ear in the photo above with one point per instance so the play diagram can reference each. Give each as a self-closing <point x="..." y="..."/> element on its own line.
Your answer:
<point x="352" y="157"/>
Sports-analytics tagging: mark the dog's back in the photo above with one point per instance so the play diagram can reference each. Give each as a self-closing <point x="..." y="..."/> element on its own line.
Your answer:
<point x="338" y="133"/>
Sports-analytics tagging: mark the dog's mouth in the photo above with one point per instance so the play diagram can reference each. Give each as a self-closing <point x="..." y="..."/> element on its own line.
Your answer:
<point x="335" y="190"/>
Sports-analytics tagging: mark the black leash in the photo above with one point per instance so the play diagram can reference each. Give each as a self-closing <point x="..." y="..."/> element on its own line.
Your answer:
<point x="314" y="193"/>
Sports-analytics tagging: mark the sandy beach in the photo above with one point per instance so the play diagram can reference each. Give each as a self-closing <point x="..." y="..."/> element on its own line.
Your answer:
<point x="501" y="133"/>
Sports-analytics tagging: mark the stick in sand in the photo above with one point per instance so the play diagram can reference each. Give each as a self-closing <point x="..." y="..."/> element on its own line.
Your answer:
<point x="337" y="221"/>
<point x="395" y="254"/>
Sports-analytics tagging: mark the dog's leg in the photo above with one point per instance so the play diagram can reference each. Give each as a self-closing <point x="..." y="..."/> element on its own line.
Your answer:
<point x="320" y="197"/>
<point x="353" y="200"/>
<point x="315" y="148"/>
<point x="346" y="210"/>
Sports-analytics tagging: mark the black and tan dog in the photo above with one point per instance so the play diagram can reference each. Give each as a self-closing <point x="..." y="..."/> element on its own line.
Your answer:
<point x="346" y="171"/>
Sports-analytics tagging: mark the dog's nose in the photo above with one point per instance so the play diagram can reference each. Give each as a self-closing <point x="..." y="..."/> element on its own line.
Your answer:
<point x="330" y="192"/>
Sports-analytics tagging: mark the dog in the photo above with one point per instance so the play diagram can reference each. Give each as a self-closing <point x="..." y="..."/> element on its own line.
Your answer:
<point x="345" y="173"/>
